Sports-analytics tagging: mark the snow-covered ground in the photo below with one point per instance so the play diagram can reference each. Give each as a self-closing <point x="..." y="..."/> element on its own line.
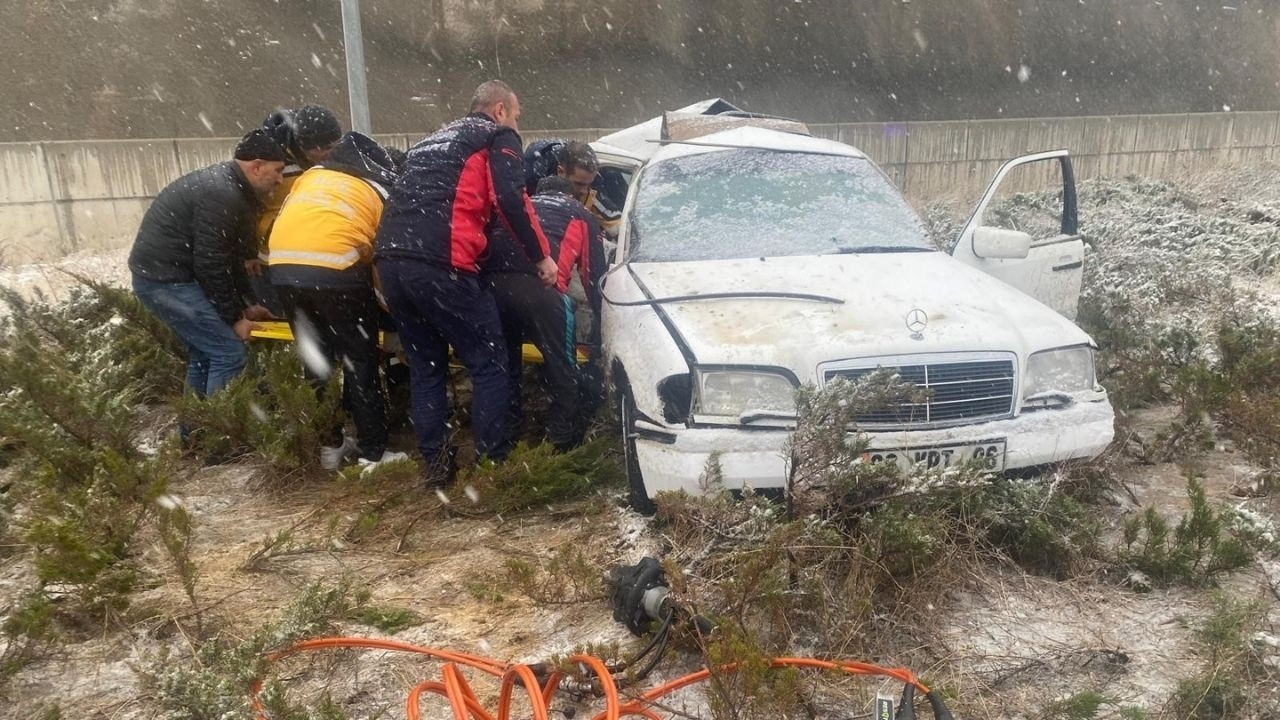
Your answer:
<point x="52" y="281"/>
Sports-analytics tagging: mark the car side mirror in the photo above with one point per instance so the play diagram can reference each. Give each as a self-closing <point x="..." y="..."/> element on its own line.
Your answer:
<point x="999" y="243"/>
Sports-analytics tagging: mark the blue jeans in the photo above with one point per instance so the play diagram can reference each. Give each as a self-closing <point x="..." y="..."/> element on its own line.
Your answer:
<point x="215" y="355"/>
<point x="434" y="309"/>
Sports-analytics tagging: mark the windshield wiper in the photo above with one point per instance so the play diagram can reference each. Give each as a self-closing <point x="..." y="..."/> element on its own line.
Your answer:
<point x="806" y="297"/>
<point x="878" y="249"/>
<point x="749" y="416"/>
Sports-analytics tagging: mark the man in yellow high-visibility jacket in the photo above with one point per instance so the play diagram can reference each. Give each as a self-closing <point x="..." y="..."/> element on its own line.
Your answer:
<point x="307" y="134"/>
<point x="321" y="250"/>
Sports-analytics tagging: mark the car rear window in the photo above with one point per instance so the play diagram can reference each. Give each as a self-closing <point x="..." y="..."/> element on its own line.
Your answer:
<point x="745" y="203"/>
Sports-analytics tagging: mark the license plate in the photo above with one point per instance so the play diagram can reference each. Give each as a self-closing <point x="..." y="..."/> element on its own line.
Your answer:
<point x="989" y="453"/>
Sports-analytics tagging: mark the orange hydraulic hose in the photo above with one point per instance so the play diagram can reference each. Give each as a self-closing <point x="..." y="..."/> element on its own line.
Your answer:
<point x="413" y="712"/>
<point x="607" y="685"/>
<point x="466" y="706"/>
<point x="853" y="668"/>
<point x="458" y="691"/>
<point x="493" y="667"/>
<point x="530" y="683"/>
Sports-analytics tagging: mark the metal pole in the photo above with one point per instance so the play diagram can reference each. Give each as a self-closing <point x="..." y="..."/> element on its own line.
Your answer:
<point x="357" y="90"/>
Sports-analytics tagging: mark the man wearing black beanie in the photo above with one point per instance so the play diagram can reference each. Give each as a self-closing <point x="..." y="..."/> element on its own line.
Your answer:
<point x="307" y="136"/>
<point x="186" y="259"/>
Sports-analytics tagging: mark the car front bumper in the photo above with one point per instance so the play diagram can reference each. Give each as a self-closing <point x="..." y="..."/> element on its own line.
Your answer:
<point x="754" y="457"/>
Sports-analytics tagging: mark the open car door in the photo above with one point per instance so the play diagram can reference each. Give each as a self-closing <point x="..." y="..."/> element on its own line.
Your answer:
<point x="1031" y="245"/>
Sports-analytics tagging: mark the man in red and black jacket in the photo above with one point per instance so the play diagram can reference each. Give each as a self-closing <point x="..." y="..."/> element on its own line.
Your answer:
<point x="427" y="254"/>
<point x="544" y="315"/>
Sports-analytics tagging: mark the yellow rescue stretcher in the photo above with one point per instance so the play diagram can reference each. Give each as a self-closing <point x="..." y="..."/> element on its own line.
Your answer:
<point x="279" y="330"/>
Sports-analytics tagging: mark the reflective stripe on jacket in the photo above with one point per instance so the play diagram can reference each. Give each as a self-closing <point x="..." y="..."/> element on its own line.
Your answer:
<point x="271" y="210"/>
<point x="329" y="221"/>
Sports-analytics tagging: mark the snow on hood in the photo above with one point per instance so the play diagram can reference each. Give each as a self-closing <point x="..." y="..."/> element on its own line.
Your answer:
<point x="967" y="310"/>
<point x="754" y="137"/>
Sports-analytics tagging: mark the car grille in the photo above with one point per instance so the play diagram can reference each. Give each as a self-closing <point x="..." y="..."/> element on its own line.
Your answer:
<point x="959" y="392"/>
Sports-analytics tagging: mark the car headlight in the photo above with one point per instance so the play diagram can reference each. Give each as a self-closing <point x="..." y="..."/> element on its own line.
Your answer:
<point x="734" y="392"/>
<point x="1062" y="372"/>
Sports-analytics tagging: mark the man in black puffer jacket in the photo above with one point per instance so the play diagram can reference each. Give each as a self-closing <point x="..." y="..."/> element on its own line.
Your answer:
<point x="186" y="260"/>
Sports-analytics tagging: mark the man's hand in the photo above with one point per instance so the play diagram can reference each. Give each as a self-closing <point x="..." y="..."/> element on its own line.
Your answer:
<point x="258" y="313"/>
<point x="253" y="267"/>
<point x="244" y="328"/>
<point x="548" y="273"/>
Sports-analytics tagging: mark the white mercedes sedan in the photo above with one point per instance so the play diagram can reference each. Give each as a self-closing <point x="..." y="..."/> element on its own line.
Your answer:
<point x="752" y="261"/>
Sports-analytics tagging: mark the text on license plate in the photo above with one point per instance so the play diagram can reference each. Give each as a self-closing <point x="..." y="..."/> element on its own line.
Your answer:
<point x="989" y="453"/>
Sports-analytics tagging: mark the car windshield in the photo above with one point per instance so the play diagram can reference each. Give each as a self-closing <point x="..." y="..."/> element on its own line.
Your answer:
<point x="746" y="203"/>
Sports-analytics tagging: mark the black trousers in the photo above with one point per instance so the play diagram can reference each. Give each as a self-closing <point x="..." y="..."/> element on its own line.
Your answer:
<point x="437" y="308"/>
<point x="533" y="312"/>
<point x="338" y="327"/>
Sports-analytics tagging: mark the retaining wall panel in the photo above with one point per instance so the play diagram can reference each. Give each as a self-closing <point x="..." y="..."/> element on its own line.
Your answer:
<point x="24" y="177"/>
<point x="996" y="139"/>
<point x="1208" y="131"/>
<point x="935" y="142"/>
<point x="1087" y="167"/>
<point x="29" y="232"/>
<point x="885" y="143"/>
<point x="939" y="180"/>
<point x="1202" y="159"/>
<point x="1104" y="135"/>
<point x="105" y="224"/>
<point x="1253" y="129"/>
<point x="1055" y="134"/>
<point x="109" y="168"/>
<point x="897" y="173"/>
<point x="194" y="154"/>
<point x="1248" y="155"/>
<point x="1161" y="132"/>
<point x="1157" y="164"/>
<point x="826" y="131"/>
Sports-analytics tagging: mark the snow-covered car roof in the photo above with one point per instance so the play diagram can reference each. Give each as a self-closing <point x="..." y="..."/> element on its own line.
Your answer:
<point x="639" y="141"/>
<point x="755" y="138"/>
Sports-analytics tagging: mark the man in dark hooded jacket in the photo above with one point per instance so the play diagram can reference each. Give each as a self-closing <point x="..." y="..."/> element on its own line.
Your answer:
<point x="307" y="136"/>
<point x="428" y="252"/>
<point x="576" y="162"/>
<point x="186" y="260"/>
<point x="532" y="312"/>
<point x="321" y="251"/>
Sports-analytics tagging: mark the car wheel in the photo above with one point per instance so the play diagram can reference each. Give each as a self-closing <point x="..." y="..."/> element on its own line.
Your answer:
<point x="637" y="495"/>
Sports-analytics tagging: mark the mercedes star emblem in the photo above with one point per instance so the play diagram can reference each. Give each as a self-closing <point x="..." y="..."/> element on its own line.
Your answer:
<point x="917" y="321"/>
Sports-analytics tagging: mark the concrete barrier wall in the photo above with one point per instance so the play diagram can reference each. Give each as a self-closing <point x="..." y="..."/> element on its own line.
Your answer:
<point x="58" y="198"/>
<point x="931" y="159"/>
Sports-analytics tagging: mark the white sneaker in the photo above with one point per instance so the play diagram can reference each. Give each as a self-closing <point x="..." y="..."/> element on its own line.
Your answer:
<point x="367" y="465"/>
<point x="331" y="458"/>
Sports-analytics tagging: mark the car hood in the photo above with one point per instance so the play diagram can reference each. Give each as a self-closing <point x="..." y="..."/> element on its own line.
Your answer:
<point x="967" y="311"/>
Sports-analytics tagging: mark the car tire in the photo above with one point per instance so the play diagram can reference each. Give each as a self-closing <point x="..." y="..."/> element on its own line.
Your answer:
<point x="637" y="495"/>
